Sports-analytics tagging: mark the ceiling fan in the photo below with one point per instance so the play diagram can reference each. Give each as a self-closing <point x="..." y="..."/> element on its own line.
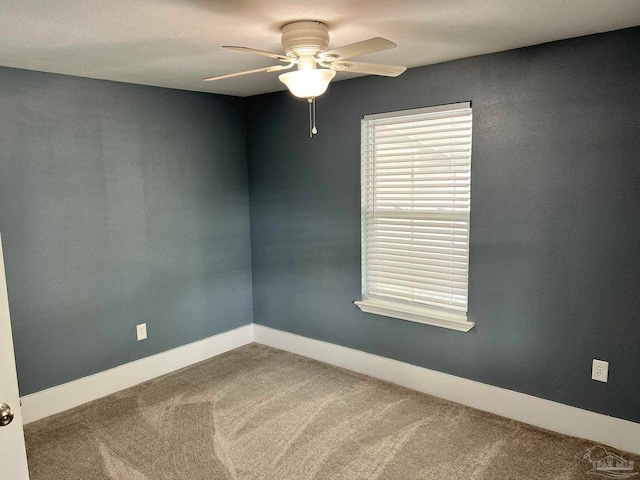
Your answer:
<point x="306" y="44"/>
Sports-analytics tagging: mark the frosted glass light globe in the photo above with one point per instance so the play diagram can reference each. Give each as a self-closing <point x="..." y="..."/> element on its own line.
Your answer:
<point x="307" y="83"/>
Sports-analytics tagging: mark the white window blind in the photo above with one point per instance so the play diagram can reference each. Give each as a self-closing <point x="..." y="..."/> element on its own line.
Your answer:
<point x="416" y="192"/>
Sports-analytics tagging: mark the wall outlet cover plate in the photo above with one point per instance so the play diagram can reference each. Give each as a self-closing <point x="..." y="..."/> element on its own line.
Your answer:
<point x="600" y="370"/>
<point x="141" y="331"/>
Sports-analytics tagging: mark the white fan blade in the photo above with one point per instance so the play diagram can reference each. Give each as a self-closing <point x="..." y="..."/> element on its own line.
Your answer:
<point x="370" y="68"/>
<point x="275" y="68"/>
<point x="282" y="58"/>
<point x="376" y="44"/>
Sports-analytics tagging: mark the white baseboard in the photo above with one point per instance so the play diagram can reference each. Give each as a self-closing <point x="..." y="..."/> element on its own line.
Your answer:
<point x="68" y="395"/>
<point x="546" y="414"/>
<point x="553" y="416"/>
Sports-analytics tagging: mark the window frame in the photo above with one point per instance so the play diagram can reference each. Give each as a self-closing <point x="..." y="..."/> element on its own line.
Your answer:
<point x="452" y="318"/>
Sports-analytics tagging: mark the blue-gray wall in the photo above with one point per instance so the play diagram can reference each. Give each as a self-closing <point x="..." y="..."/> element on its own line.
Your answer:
<point x="119" y="204"/>
<point x="555" y="219"/>
<point x="122" y="204"/>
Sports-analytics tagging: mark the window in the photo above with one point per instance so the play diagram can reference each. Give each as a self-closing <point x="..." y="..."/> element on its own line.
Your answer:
<point x="416" y="199"/>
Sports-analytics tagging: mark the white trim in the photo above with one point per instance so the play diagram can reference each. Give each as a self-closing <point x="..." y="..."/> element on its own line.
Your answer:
<point x="68" y="395"/>
<point x="430" y="316"/>
<point x="418" y="111"/>
<point x="547" y="414"/>
<point x="13" y="456"/>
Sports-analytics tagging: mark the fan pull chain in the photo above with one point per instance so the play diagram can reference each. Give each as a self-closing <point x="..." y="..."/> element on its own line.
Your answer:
<point x="312" y="117"/>
<point x="314" y="130"/>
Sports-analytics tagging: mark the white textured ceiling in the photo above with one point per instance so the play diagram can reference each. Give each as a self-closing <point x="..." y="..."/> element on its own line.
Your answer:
<point x="175" y="43"/>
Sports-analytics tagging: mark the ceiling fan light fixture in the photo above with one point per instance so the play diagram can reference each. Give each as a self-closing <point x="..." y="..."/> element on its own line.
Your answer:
<point x="306" y="46"/>
<point x="307" y="83"/>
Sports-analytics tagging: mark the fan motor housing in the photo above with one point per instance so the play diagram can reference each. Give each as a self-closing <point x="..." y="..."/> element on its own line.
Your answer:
<point x="305" y="38"/>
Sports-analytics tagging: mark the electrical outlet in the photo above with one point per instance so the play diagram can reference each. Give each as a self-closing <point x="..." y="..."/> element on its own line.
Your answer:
<point x="141" y="331"/>
<point x="600" y="370"/>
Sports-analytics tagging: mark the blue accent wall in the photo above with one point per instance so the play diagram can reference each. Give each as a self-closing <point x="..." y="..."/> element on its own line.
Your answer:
<point x="123" y="204"/>
<point x="119" y="204"/>
<point x="555" y="218"/>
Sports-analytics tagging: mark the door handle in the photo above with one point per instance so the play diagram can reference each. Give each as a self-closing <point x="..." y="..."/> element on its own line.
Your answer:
<point x="6" y="415"/>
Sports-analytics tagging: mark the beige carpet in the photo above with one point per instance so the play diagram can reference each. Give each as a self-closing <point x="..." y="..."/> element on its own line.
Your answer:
<point x="260" y="413"/>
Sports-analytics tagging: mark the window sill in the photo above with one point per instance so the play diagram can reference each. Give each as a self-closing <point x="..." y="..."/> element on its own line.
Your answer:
<point x="426" y="315"/>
